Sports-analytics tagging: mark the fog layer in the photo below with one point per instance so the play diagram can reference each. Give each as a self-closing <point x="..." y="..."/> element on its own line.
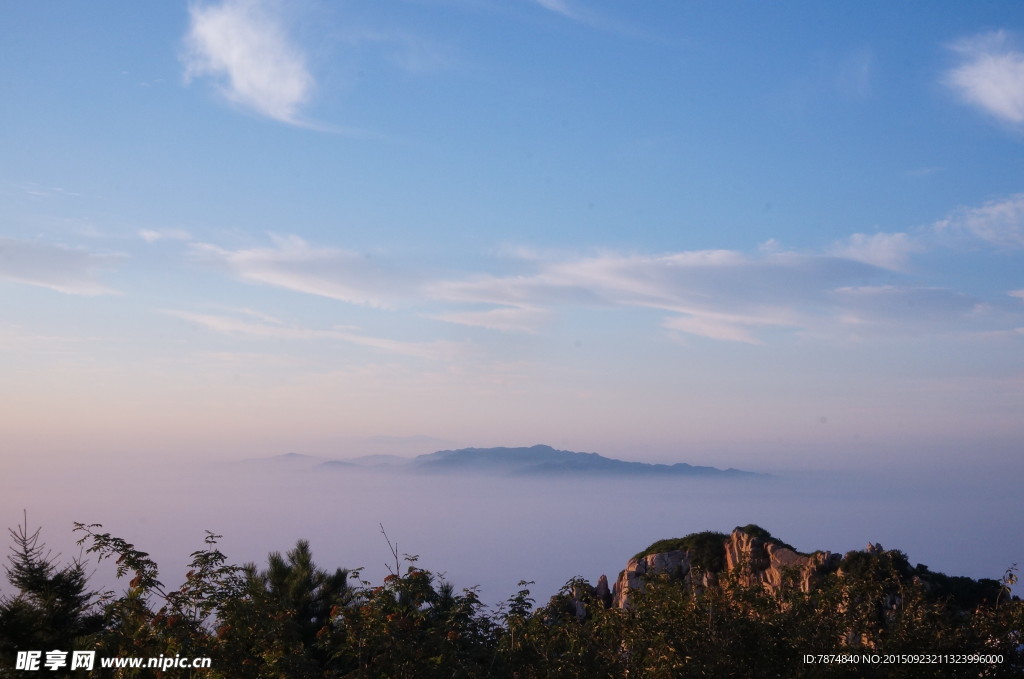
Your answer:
<point x="492" y="532"/>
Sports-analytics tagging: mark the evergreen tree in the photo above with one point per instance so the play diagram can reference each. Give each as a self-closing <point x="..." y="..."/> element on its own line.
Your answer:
<point x="276" y="627"/>
<point x="53" y="607"/>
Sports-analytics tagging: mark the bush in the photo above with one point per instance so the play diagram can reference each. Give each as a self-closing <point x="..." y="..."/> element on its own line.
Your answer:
<point x="707" y="549"/>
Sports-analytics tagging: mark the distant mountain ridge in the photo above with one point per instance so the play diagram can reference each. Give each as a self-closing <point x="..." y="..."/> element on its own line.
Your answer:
<point x="538" y="460"/>
<point x="543" y="460"/>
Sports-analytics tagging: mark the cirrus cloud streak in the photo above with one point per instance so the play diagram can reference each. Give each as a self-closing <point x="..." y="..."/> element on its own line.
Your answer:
<point x="271" y="329"/>
<point x="291" y="263"/>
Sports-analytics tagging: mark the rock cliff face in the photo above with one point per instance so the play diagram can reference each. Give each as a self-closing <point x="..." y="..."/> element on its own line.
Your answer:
<point x="673" y="564"/>
<point x="767" y="561"/>
<point x="676" y="564"/>
<point x="752" y="554"/>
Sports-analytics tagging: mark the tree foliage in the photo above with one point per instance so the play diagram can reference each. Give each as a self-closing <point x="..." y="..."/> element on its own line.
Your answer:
<point x="295" y="619"/>
<point x="53" y="606"/>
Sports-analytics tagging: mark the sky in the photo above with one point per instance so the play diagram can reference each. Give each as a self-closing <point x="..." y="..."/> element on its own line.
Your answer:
<point x="760" y="235"/>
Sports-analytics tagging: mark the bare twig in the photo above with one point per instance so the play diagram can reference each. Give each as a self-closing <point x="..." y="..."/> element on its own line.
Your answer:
<point x="394" y="552"/>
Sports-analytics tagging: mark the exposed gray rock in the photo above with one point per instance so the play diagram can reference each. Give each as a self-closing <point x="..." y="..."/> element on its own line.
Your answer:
<point x="768" y="562"/>
<point x="674" y="564"/>
<point x="752" y="558"/>
<point x="603" y="594"/>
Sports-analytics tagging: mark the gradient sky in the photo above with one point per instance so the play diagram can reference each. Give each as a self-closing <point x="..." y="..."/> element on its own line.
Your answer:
<point x="742" y="234"/>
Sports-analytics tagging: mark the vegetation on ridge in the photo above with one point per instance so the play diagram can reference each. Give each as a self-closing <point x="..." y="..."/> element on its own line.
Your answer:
<point x="295" y="620"/>
<point x="707" y="549"/>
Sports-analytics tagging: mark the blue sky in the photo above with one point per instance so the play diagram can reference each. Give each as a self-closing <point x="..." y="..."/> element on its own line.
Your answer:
<point x="760" y="235"/>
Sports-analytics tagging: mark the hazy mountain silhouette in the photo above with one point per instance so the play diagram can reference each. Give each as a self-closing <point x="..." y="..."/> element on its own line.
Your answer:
<point x="539" y="460"/>
<point x="547" y="461"/>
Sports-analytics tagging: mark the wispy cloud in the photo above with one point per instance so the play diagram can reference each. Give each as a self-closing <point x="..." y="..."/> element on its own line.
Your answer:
<point x="865" y="282"/>
<point x="243" y="45"/>
<point x="906" y="305"/>
<point x="990" y="75"/>
<point x="154" y="235"/>
<point x="999" y="223"/>
<point x="559" y="7"/>
<point x="270" y="329"/>
<point x="719" y="294"/>
<point x="884" y="250"/>
<point x="853" y="79"/>
<point x="732" y="296"/>
<point x="723" y="327"/>
<point x="408" y="51"/>
<point x="506" y="318"/>
<point x="295" y="265"/>
<point x="585" y="14"/>
<point x="73" y="271"/>
<point x="39" y="191"/>
<point x="16" y="338"/>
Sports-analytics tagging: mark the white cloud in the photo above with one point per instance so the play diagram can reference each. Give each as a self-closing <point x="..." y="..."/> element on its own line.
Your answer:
<point x="731" y="296"/>
<point x="999" y="223"/>
<point x="252" y="313"/>
<point x="243" y="45"/>
<point x="271" y="329"/>
<point x="720" y="294"/>
<point x="558" y="6"/>
<point x="153" y="235"/>
<point x="39" y="191"/>
<point x="712" y="327"/>
<point x="506" y="319"/>
<point x="884" y="250"/>
<point x="991" y="75"/>
<point x="73" y="271"/>
<point x="327" y="272"/>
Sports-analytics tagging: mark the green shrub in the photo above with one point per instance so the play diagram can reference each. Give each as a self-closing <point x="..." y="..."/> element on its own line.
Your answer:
<point x="707" y="549"/>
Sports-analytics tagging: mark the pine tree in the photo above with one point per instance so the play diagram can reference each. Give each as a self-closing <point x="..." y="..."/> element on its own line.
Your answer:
<point x="53" y="606"/>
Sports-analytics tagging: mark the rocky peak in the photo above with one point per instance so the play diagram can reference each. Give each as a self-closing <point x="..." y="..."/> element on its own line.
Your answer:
<point x="760" y="558"/>
<point x="750" y="551"/>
